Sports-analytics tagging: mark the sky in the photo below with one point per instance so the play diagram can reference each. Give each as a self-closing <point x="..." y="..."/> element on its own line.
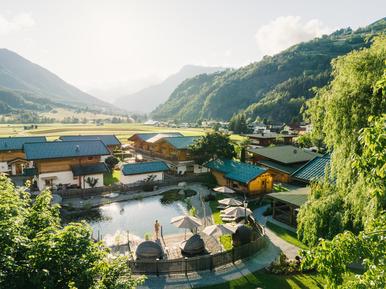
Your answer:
<point x="117" y="46"/>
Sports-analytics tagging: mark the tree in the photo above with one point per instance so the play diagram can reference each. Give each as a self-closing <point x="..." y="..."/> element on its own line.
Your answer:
<point x="91" y="181"/>
<point x="36" y="251"/>
<point x="212" y="146"/>
<point x="339" y="114"/>
<point x="238" y="124"/>
<point x="332" y="258"/>
<point x="111" y="162"/>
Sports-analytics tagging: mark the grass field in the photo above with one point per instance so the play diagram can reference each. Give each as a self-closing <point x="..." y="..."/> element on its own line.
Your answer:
<point x="121" y="130"/>
<point x="286" y="235"/>
<point x="270" y="281"/>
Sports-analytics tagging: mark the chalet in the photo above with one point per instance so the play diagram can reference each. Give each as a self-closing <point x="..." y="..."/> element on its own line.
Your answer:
<point x="265" y="139"/>
<point x="285" y="205"/>
<point x="313" y="170"/>
<point x="109" y="140"/>
<point x="172" y="148"/>
<point x="243" y="177"/>
<point x="12" y="157"/>
<point x="281" y="161"/>
<point x="67" y="163"/>
<point x="142" y="172"/>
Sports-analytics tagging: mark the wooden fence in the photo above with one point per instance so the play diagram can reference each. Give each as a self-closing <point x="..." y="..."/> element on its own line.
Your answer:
<point x="199" y="263"/>
<point x="135" y="187"/>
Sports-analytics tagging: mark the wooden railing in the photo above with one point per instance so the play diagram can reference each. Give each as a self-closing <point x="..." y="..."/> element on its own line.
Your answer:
<point x="199" y="263"/>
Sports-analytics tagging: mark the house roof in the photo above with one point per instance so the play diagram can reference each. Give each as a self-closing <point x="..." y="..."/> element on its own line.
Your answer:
<point x="160" y="136"/>
<point x="143" y="168"/>
<point x="285" y="168"/>
<point x="269" y="135"/>
<point x="64" y="149"/>
<point x="241" y="172"/>
<point x="16" y="143"/>
<point x="296" y="197"/>
<point x="314" y="169"/>
<point x="108" y="139"/>
<point x="181" y="142"/>
<point x="148" y="135"/>
<point x="84" y="170"/>
<point x="285" y="154"/>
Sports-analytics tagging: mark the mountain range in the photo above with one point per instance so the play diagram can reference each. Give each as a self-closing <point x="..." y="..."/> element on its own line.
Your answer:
<point x="273" y="89"/>
<point x="149" y="98"/>
<point x="26" y="85"/>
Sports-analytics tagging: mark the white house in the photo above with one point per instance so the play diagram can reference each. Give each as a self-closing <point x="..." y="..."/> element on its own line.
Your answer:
<point x="147" y="171"/>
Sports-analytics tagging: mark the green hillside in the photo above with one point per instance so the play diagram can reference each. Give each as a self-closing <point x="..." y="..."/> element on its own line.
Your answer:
<point x="26" y="78"/>
<point x="274" y="88"/>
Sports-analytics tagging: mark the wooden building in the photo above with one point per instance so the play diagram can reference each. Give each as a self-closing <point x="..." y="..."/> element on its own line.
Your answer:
<point x="265" y="139"/>
<point x="281" y="161"/>
<point x="12" y="157"/>
<point x="242" y="177"/>
<point x="172" y="148"/>
<point x="67" y="163"/>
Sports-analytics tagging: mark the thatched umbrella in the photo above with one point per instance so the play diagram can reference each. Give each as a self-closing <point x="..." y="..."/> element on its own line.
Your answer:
<point x="230" y="202"/>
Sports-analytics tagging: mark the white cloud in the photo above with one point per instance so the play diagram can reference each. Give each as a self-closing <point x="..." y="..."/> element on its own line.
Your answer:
<point x="15" y="23"/>
<point x="286" y="31"/>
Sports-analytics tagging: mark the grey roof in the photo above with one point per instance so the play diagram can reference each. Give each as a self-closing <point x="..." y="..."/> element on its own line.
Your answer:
<point x="296" y="197"/>
<point x="16" y="143"/>
<point x="181" y="142"/>
<point x="107" y="139"/>
<point x="285" y="168"/>
<point x="143" y="168"/>
<point x="160" y="136"/>
<point x="64" y="149"/>
<point x="313" y="170"/>
<point x="148" y="135"/>
<point x="285" y="154"/>
<point x="90" y="169"/>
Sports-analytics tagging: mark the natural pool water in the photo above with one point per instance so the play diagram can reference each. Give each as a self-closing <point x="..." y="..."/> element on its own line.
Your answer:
<point x="138" y="216"/>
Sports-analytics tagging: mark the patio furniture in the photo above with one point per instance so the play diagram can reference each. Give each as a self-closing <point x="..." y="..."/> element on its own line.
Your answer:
<point x="186" y="222"/>
<point x="243" y="235"/>
<point x="149" y="250"/>
<point x="193" y="246"/>
<point x="219" y="230"/>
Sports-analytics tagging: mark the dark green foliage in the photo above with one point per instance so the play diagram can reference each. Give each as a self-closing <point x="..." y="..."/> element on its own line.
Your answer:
<point x="212" y="146"/>
<point x="238" y="124"/>
<point x="274" y="88"/>
<point x="37" y="252"/>
<point x="111" y="162"/>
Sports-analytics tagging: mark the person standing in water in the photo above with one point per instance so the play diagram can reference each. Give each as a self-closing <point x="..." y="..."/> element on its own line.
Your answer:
<point x="156" y="229"/>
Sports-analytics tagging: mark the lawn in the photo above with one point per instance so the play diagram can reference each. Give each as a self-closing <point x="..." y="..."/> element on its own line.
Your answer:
<point x="270" y="281"/>
<point x="225" y="240"/>
<point x="286" y="235"/>
<point x="122" y="130"/>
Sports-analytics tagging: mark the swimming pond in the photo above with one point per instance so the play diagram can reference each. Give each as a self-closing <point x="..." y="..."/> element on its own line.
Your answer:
<point x="138" y="216"/>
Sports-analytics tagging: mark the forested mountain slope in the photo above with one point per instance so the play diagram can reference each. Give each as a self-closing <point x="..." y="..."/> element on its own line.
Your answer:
<point x="25" y="77"/>
<point x="150" y="97"/>
<point x="274" y="88"/>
